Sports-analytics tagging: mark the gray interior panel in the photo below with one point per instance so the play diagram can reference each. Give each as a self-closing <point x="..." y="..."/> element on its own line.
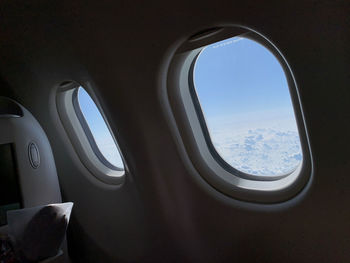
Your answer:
<point x="35" y="162"/>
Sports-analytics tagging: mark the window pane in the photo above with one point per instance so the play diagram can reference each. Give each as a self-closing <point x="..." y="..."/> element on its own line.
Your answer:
<point x="99" y="129"/>
<point x="245" y="100"/>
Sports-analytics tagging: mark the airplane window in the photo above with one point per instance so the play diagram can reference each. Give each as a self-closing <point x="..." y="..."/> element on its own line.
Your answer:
<point x="97" y="131"/>
<point x="244" y="98"/>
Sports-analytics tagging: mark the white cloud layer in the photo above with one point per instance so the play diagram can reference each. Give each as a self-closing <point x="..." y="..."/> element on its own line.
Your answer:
<point x="270" y="149"/>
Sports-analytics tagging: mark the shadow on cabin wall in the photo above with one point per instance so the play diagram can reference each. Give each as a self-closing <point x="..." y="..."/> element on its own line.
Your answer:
<point x="5" y="90"/>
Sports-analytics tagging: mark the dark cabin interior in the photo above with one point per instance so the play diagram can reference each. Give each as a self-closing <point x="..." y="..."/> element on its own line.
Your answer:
<point x="165" y="211"/>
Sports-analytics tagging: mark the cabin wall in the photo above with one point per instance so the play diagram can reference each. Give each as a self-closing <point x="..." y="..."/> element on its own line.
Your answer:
<point x="164" y="211"/>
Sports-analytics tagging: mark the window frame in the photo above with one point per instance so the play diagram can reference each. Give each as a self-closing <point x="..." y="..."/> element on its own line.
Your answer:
<point x="189" y="118"/>
<point x="81" y="136"/>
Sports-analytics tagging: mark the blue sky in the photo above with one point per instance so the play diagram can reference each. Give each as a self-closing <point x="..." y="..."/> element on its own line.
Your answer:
<point x="239" y="76"/>
<point x="99" y="129"/>
<point x="245" y="99"/>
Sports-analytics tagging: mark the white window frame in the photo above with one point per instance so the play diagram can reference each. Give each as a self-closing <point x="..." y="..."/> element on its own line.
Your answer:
<point x="194" y="134"/>
<point x="81" y="137"/>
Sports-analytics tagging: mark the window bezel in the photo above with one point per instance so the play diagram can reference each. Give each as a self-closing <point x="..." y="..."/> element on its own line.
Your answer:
<point x="81" y="136"/>
<point x="196" y="140"/>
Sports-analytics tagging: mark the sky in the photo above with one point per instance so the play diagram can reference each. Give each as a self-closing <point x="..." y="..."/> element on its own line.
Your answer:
<point x="239" y="75"/>
<point x="99" y="129"/>
<point x="244" y="97"/>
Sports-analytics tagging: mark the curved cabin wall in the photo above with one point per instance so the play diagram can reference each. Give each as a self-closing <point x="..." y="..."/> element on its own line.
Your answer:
<point x="162" y="211"/>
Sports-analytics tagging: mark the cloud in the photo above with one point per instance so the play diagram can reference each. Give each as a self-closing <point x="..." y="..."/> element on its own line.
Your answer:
<point x="259" y="151"/>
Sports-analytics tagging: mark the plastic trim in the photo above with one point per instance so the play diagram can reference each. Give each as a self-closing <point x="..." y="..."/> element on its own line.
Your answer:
<point x="194" y="137"/>
<point x="84" y="144"/>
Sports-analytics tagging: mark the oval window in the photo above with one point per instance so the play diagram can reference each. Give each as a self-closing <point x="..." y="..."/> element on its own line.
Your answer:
<point x="89" y="133"/>
<point x="237" y="111"/>
<point x="246" y="106"/>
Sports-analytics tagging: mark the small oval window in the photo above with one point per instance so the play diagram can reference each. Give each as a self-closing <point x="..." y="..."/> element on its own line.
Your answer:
<point x="244" y="99"/>
<point x="96" y="129"/>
